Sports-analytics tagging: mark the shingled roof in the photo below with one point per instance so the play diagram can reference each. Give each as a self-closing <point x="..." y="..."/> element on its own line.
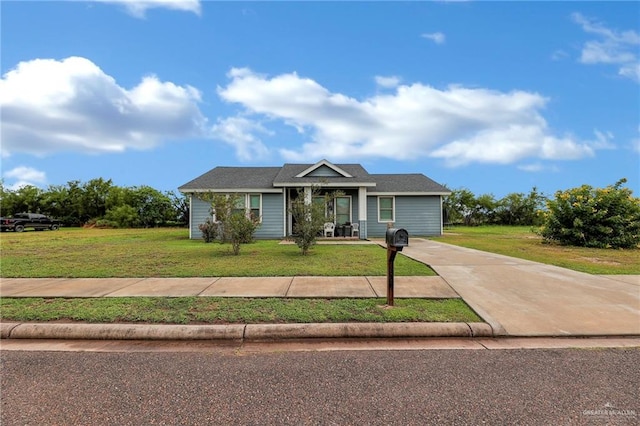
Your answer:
<point x="233" y="178"/>
<point x="265" y="179"/>
<point x="404" y="183"/>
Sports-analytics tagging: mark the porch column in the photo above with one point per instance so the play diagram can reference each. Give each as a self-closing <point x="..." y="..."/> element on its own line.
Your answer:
<point x="307" y="195"/>
<point x="191" y="216"/>
<point x="286" y="222"/>
<point x="362" y="211"/>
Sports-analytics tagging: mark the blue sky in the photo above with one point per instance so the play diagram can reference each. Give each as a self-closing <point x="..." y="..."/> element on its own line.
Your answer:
<point x="496" y="97"/>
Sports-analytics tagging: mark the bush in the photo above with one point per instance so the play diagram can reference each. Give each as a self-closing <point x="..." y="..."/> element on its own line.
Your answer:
<point x="209" y="230"/>
<point x="587" y="217"/>
<point x="102" y="224"/>
<point x="241" y="229"/>
<point x="234" y="222"/>
<point x="123" y="217"/>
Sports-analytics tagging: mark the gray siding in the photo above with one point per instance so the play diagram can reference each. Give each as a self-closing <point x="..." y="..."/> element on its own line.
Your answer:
<point x="200" y="211"/>
<point x="374" y="229"/>
<point x="419" y="215"/>
<point x="272" y="216"/>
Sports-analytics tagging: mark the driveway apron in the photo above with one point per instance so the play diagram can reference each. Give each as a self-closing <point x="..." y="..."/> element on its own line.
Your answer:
<point x="523" y="298"/>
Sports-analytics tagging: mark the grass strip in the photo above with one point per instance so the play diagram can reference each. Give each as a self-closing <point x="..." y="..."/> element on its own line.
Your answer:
<point x="216" y="310"/>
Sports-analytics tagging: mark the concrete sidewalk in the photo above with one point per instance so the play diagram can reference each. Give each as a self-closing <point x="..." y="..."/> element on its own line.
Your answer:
<point x="322" y="287"/>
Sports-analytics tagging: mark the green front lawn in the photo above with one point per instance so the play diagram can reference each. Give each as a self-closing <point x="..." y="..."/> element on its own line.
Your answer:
<point x="522" y="242"/>
<point x="164" y="252"/>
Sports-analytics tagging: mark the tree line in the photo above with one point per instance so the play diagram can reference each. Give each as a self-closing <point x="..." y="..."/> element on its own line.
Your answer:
<point x="98" y="202"/>
<point x="463" y="207"/>
<point x="584" y="216"/>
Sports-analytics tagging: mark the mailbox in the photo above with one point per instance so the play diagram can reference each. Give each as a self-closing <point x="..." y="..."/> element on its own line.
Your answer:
<point x="397" y="238"/>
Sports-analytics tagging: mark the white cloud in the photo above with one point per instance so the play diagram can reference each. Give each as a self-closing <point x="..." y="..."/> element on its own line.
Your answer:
<point x="611" y="47"/>
<point x="537" y="168"/>
<point x="457" y="124"/>
<point x="239" y="133"/>
<point x="509" y="144"/>
<point x="389" y="82"/>
<point x="631" y="71"/>
<point x="438" y="38"/>
<point x="534" y="167"/>
<point x="138" y="8"/>
<point x="25" y="176"/>
<point x="26" y="173"/>
<point x="603" y="140"/>
<point x="72" y="105"/>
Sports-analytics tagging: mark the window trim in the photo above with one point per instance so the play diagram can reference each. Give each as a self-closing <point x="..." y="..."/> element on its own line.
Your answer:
<point x="248" y="205"/>
<point x="393" y="209"/>
<point x="246" y="198"/>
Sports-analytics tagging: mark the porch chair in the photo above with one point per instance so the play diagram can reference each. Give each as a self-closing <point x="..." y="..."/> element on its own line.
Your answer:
<point x="355" y="229"/>
<point x="329" y="229"/>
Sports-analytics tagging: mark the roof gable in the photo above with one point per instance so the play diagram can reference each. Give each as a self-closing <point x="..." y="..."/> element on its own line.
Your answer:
<point x="323" y="174"/>
<point x="323" y="168"/>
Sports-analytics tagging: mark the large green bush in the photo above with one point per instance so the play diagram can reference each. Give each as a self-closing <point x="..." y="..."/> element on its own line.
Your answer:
<point x="233" y="221"/>
<point x="123" y="217"/>
<point x="593" y="217"/>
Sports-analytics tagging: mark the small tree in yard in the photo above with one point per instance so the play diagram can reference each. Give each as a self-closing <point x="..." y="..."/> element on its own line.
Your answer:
<point x="233" y="223"/>
<point x="222" y="206"/>
<point x="310" y="216"/>
<point x="240" y="230"/>
<point x="601" y="217"/>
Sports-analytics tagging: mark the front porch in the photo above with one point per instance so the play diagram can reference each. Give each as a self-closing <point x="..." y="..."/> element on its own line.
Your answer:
<point x="345" y="210"/>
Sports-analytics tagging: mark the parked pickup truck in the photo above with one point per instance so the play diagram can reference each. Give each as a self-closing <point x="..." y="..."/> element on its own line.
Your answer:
<point x="20" y="221"/>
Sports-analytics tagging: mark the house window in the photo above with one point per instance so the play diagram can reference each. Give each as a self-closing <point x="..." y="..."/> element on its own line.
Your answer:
<point x="386" y="209"/>
<point x="239" y="206"/>
<point x="250" y="205"/>
<point x="255" y="203"/>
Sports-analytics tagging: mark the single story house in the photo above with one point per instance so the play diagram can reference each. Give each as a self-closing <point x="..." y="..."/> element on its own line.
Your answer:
<point x="410" y="201"/>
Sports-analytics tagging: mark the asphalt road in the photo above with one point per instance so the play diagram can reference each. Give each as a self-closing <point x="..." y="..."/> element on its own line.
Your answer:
<point x="414" y="387"/>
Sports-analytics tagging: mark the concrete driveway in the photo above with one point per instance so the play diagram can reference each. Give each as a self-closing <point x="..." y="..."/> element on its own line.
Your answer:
<point x="523" y="298"/>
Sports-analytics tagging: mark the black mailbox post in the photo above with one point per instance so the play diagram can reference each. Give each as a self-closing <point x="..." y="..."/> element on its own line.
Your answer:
<point x="396" y="240"/>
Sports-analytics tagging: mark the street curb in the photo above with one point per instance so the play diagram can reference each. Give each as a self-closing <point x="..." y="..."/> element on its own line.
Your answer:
<point x="121" y="331"/>
<point x="240" y="332"/>
<point x="259" y="332"/>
